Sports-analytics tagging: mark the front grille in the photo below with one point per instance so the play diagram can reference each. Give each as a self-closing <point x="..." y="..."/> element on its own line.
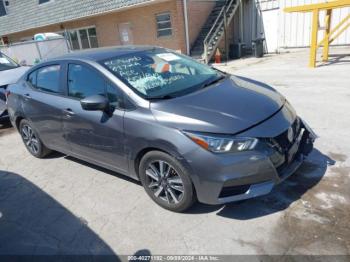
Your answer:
<point x="281" y="142"/>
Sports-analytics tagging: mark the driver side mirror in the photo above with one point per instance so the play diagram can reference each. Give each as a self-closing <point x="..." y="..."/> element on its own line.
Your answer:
<point x="95" y="103"/>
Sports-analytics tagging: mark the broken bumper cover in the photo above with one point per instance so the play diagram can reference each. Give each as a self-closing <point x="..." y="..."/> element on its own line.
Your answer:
<point x="253" y="174"/>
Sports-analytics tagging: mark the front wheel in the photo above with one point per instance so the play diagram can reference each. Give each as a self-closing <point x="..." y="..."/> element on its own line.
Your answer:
<point x="166" y="181"/>
<point x="31" y="140"/>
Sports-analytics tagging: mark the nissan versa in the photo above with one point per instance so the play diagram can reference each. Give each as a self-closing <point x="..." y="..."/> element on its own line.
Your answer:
<point x="184" y="129"/>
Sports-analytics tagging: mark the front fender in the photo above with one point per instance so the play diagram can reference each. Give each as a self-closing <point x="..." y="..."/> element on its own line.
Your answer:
<point x="143" y="133"/>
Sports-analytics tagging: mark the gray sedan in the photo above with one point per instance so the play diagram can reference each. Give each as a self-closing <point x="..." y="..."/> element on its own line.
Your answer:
<point x="185" y="130"/>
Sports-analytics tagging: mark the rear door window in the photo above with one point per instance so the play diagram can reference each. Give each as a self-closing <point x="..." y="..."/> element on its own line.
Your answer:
<point x="47" y="79"/>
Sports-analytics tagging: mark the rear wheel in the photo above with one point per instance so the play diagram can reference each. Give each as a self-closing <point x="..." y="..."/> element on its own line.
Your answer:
<point x="32" y="141"/>
<point x="166" y="181"/>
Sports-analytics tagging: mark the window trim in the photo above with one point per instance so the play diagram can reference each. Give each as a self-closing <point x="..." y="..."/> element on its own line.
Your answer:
<point x="163" y="22"/>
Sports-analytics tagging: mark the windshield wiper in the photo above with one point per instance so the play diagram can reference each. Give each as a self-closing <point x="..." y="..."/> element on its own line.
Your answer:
<point x="163" y="97"/>
<point x="213" y="81"/>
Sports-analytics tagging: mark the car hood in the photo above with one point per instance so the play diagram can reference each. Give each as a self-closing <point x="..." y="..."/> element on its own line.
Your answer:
<point x="230" y="106"/>
<point x="11" y="76"/>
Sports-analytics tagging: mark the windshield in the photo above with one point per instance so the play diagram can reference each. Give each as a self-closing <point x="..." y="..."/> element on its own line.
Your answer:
<point x="159" y="73"/>
<point x="7" y="63"/>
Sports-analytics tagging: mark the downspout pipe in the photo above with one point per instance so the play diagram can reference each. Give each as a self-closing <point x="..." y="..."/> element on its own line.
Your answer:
<point x="241" y="21"/>
<point x="186" y="27"/>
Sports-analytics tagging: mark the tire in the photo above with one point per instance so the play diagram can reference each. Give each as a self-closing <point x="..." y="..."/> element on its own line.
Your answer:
<point x="170" y="188"/>
<point x="32" y="141"/>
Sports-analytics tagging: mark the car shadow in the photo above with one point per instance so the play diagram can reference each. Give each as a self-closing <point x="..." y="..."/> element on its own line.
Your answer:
<point x="102" y="169"/>
<point x="283" y="195"/>
<point x="33" y="223"/>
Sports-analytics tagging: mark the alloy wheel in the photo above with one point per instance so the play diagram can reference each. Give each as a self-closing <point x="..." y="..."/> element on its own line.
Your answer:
<point x="30" y="139"/>
<point x="165" y="182"/>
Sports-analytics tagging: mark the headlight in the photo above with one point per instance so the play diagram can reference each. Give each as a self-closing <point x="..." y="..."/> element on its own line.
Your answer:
<point x="222" y="144"/>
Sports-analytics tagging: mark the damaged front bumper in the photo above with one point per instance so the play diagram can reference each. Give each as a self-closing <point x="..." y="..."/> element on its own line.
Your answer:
<point x="292" y="157"/>
<point x="244" y="176"/>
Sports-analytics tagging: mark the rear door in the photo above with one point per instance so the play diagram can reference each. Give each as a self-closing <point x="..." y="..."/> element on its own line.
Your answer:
<point x="43" y="104"/>
<point x="95" y="136"/>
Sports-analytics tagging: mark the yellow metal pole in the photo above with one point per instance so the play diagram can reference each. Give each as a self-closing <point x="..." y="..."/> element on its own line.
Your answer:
<point x="339" y="33"/>
<point x="340" y="24"/>
<point x="330" y="35"/>
<point x="328" y="19"/>
<point x="319" y="6"/>
<point x="331" y="32"/>
<point x="313" y="48"/>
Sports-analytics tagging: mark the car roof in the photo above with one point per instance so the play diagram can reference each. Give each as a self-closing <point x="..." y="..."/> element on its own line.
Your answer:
<point x="98" y="54"/>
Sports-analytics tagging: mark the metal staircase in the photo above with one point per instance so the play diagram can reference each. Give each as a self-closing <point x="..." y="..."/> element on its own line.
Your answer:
<point x="213" y="30"/>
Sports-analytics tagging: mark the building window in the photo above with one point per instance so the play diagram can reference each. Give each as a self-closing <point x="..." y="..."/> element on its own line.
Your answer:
<point x="2" y="8"/>
<point x="44" y="1"/>
<point x="82" y="38"/>
<point x="164" y="24"/>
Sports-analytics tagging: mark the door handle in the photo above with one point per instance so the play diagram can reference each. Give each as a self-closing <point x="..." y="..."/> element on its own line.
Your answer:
<point x="27" y="96"/>
<point x="69" y="112"/>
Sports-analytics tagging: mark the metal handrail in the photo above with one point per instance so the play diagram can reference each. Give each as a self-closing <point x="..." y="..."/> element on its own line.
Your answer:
<point x="210" y="35"/>
<point x="216" y="20"/>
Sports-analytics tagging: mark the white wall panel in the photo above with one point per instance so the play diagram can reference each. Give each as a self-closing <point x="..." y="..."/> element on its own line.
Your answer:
<point x="295" y="28"/>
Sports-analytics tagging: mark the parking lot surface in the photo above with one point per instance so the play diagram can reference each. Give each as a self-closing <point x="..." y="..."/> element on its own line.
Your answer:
<point x="60" y="205"/>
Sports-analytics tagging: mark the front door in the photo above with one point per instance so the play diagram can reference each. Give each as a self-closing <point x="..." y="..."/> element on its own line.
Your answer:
<point x="125" y="34"/>
<point x="95" y="136"/>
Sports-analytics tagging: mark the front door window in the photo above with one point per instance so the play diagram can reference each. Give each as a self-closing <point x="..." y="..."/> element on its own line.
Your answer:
<point x="84" y="82"/>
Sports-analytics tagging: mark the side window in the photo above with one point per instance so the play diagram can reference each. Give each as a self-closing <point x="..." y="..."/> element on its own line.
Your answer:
<point x="115" y="96"/>
<point x="84" y="82"/>
<point x="48" y="79"/>
<point x="32" y="78"/>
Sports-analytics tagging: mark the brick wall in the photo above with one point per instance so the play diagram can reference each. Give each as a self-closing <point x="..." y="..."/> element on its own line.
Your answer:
<point x="198" y="12"/>
<point x="143" y="25"/>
